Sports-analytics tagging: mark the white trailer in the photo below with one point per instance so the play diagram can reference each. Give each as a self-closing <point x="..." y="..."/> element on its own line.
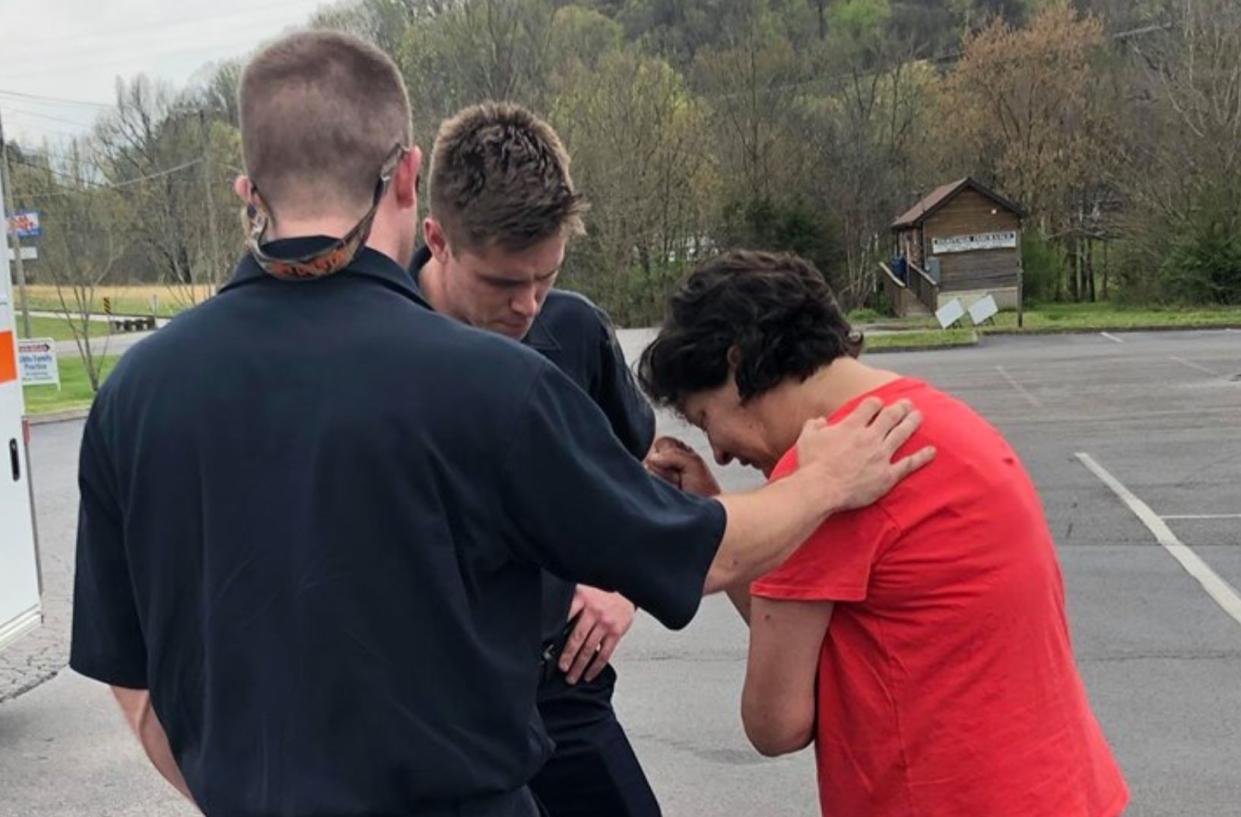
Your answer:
<point x="20" y="588"/>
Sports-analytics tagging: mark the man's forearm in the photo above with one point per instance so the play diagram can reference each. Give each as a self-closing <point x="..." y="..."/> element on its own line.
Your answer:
<point x="136" y="705"/>
<point x="765" y="526"/>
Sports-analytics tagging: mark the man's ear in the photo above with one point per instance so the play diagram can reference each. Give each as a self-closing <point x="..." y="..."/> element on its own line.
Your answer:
<point x="437" y="242"/>
<point x="405" y="180"/>
<point x="244" y="188"/>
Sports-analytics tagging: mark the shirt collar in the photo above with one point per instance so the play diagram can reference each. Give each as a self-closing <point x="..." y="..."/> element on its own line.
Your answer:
<point x="368" y="263"/>
<point x="540" y="337"/>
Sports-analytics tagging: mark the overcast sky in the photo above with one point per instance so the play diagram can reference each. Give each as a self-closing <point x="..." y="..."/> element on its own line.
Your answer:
<point x="75" y="49"/>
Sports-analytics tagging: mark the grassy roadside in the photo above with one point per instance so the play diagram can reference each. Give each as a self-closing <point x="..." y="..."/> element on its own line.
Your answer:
<point x="924" y="332"/>
<point x="75" y="391"/>
<point x="916" y="340"/>
<point x="58" y="328"/>
<point x="1109" y="317"/>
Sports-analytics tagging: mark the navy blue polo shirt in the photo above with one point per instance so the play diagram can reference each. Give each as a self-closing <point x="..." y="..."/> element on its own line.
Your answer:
<point x="577" y="336"/>
<point x="313" y="518"/>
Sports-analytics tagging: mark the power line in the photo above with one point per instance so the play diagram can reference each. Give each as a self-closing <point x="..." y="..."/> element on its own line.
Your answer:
<point x="157" y="174"/>
<point x="54" y="171"/>
<point x="168" y="37"/>
<point x="109" y="186"/>
<point x="48" y="117"/>
<point x="242" y="16"/>
<point x="63" y="134"/>
<point x="53" y="99"/>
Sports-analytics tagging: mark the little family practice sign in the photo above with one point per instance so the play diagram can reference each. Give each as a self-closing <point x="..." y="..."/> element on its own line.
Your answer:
<point x="37" y="362"/>
<point x="1005" y="239"/>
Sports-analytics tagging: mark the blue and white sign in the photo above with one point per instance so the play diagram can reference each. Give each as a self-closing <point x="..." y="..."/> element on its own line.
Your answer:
<point x="37" y="362"/>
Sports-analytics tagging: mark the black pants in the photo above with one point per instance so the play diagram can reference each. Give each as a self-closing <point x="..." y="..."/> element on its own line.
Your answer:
<point x="593" y="771"/>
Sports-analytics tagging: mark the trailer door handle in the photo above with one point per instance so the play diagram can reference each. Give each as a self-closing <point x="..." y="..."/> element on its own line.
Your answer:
<point x="15" y="460"/>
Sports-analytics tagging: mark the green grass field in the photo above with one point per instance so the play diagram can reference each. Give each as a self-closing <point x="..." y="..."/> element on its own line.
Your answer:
<point x="914" y="340"/>
<point x="1097" y="317"/>
<point x="75" y="391"/>
<point x="58" y="328"/>
<point x="125" y="300"/>
<point x="1101" y="317"/>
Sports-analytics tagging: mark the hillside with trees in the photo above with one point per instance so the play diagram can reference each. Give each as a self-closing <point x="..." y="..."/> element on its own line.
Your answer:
<point x="805" y="125"/>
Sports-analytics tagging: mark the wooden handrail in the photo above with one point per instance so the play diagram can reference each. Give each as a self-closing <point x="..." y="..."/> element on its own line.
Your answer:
<point x="892" y="275"/>
<point x="923" y="273"/>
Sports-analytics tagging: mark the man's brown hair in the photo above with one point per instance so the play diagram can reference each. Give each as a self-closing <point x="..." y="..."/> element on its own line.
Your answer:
<point x="500" y="176"/>
<point x="320" y="111"/>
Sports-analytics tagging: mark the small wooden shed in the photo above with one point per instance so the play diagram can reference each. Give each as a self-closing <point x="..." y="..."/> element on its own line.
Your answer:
<point x="963" y="240"/>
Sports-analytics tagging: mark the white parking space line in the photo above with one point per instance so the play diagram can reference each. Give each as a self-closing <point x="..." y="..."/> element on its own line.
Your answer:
<point x="1192" y="365"/>
<point x="1111" y="337"/>
<point x="1202" y="516"/>
<point x="1012" y="381"/>
<point x="1224" y="594"/>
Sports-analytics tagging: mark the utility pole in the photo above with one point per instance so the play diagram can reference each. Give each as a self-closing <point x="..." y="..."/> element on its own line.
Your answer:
<point x="6" y="182"/>
<point x="213" y="234"/>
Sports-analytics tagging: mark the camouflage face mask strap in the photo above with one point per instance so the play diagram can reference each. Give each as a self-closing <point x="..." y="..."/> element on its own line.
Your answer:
<point x="330" y="259"/>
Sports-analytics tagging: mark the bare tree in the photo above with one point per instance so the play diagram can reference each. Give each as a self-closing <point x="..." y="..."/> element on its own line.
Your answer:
<point x="83" y="240"/>
<point x="153" y="148"/>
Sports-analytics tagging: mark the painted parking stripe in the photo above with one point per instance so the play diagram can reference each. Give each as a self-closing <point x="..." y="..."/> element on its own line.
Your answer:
<point x="1224" y="594"/>
<point x="1202" y="516"/>
<point x="1022" y="390"/>
<point x="1191" y="364"/>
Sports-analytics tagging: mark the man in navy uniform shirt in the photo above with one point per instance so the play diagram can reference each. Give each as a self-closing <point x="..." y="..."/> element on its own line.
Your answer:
<point x="314" y="512"/>
<point x="503" y="208"/>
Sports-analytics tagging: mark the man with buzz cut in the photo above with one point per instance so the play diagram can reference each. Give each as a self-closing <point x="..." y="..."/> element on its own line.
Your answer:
<point x="503" y="209"/>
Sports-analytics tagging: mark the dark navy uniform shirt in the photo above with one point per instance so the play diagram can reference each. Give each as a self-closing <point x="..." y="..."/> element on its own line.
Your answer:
<point x="313" y="518"/>
<point x="577" y="336"/>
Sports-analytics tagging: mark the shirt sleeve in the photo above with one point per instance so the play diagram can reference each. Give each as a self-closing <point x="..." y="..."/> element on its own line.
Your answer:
<point x="617" y="394"/>
<point x="586" y="510"/>
<point x="835" y="563"/>
<point x="107" y="642"/>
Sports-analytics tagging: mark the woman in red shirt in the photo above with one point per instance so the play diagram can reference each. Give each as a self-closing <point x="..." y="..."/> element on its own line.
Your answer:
<point x="921" y="644"/>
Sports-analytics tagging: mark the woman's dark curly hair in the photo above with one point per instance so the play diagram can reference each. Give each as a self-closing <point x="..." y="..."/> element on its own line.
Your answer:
<point x="774" y="308"/>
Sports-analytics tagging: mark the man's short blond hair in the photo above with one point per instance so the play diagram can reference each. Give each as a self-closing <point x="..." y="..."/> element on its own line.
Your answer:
<point x="500" y="177"/>
<point x="320" y="111"/>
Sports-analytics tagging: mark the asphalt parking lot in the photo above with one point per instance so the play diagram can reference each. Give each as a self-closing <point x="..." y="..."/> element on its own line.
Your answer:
<point x="1135" y="443"/>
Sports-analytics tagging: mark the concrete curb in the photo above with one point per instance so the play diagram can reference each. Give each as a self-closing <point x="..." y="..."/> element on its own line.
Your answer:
<point x="889" y="329"/>
<point x="918" y="348"/>
<point x="58" y="416"/>
<point x="1053" y="330"/>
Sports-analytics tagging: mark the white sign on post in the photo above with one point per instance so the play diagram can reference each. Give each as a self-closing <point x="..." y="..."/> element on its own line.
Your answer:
<point x="983" y="310"/>
<point x="950" y="313"/>
<point x="28" y="254"/>
<point x="980" y="241"/>
<point x="37" y="362"/>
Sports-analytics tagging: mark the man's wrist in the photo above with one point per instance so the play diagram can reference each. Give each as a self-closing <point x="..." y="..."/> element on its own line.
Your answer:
<point x="817" y="482"/>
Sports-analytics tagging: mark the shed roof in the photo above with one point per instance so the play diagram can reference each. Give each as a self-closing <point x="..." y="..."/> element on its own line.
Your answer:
<point x="943" y="194"/>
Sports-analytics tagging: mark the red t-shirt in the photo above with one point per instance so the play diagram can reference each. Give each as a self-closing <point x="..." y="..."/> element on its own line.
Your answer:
<point x="947" y="685"/>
